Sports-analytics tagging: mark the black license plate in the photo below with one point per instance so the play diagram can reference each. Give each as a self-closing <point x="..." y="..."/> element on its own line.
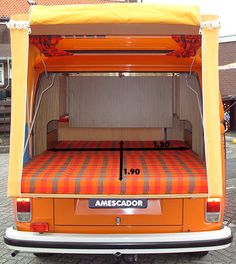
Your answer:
<point x="118" y="203"/>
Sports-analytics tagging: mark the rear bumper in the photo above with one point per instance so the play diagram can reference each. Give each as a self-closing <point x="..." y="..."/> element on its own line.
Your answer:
<point x="117" y="243"/>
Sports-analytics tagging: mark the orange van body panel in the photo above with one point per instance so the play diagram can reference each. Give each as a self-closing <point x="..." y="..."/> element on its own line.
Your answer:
<point x="43" y="210"/>
<point x="118" y="229"/>
<point x="159" y="212"/>
<point x="194" y="216"/>
<point x="118" y="62"/>
<point x="118" y="43"/>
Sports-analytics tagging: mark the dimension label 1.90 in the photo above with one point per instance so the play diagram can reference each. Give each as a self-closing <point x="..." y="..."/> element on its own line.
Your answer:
<point x="131" y="171"/>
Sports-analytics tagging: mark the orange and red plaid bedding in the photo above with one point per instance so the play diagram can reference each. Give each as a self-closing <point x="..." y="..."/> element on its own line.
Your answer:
<point x="87" y="144"/>
<point x="98" y="172"/>
<point x="115" y="144"/>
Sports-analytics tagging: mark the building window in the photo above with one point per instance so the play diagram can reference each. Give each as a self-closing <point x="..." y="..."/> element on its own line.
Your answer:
<point x="1" y="74"/>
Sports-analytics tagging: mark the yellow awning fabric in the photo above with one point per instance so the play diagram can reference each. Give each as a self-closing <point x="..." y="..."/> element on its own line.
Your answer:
<point x="211" y="110"/>
<point x="115" y="19"/>
<point x="19" y="50"/>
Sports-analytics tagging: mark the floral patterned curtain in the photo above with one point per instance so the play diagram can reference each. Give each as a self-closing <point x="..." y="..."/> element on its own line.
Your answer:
<point x="188" y="45"/>
<point x="47" y="45"/>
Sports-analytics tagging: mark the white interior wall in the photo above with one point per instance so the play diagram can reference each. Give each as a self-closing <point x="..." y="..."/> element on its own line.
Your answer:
<point x="120" y="102"/>
<point x="187" y="109"/>
<point x="48" y="110"/>
<point x="63" y="94"/>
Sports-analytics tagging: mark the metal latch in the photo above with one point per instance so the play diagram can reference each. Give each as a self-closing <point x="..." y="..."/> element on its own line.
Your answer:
<point x="118" y="220"/>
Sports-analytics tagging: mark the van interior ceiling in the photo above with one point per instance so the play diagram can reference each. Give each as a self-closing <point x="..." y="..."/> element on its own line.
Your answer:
<point x="121" y="133"/>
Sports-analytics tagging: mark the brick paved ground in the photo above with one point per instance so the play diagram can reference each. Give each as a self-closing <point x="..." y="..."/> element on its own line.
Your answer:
<point x="223" y="256"/>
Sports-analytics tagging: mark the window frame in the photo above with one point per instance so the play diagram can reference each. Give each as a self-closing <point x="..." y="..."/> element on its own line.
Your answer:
<point x="2" y="79"/>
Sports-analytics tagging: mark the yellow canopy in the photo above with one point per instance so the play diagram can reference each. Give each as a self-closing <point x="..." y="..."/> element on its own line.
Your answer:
<point x="155" y="19"/>
<point x="19" y="42"/>
<point x="211" y="110"/>
<point x="109" y="19"/>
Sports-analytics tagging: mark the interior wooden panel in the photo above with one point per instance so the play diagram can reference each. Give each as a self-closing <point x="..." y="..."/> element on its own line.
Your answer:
<point x="52" y="134"/>
<point x="48" y="110"/>
<point x="66" y="133"/>
<point x="177" y="130"/>
<point x="188" y="126"/>
<point x="120" y="102"/>
<point x="52" y="139"/>
<point x="63" y="108"/>
<point x="189" y="110"/>
<point x="188" y="137"/>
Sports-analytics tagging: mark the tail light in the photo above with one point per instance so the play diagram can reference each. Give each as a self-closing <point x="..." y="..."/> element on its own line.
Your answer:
<point x="23" y="209"/>
<point x="40" y="227"/>
<point x="213" y="210"/>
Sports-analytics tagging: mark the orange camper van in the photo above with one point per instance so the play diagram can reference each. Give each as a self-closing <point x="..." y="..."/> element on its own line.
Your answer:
<point x="116" y="131"/>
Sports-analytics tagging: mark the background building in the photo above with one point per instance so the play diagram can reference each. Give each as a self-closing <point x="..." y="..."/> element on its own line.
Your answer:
<point x="227" y="55"/>
<point x="5" y="80"/>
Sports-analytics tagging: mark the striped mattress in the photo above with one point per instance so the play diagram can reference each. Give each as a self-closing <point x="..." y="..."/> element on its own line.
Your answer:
<point x="102" y="168"/>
